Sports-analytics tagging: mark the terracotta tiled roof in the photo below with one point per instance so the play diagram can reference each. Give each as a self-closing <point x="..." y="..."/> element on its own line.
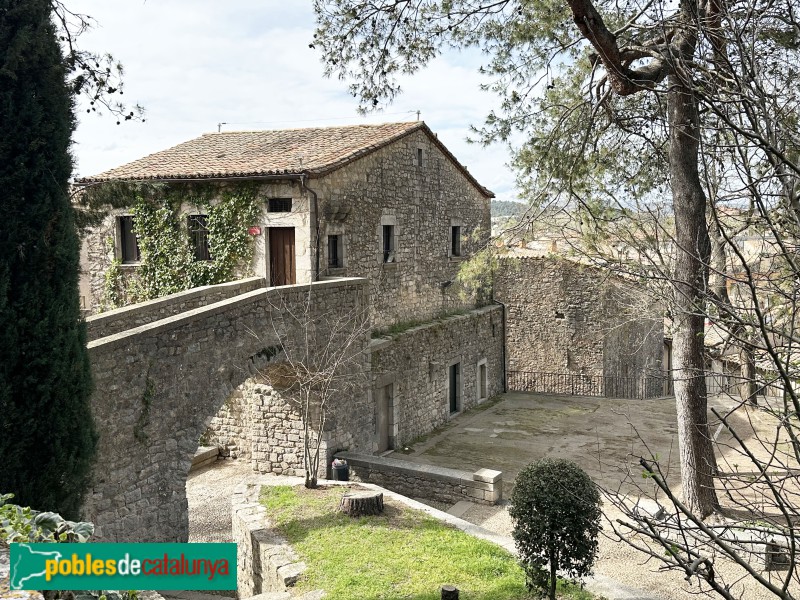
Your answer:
<point x="243" y="154"/>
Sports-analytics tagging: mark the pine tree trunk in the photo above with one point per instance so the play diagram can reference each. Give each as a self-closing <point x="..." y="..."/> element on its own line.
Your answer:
<point x="553" y="575"/>
<point x="693" y="252"/>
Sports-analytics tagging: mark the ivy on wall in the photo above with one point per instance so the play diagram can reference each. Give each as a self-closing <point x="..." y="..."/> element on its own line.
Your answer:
<point x="167" y="262"/>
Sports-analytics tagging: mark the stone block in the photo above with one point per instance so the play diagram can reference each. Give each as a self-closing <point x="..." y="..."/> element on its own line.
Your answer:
<point x="487" y="475"/>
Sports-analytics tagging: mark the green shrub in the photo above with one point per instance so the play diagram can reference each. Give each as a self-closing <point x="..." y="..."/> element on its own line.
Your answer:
<point x="22" y="524"/>
<point x="555" y="507"/>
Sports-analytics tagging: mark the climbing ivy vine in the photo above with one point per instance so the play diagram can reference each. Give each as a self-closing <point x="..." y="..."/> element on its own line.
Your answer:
<point x="167" y="262"/>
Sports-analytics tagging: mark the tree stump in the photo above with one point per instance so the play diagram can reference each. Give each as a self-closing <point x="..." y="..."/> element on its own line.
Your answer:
<point x="449" y="592"/>
<point x="362" y="503"/>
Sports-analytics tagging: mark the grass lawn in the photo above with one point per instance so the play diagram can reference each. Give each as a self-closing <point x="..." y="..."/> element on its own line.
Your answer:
<point x="402" y="553"/>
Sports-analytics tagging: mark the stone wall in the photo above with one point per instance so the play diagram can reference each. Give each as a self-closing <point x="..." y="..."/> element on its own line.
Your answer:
<point x="428" y="482"/>
<point x="416" y="363"/>
<point x="158" y="385"/>
<point x="564" y="317"/>
<point x="389" y="187"/>
<point x="259" y="425"/>
<point x="135" y="315"/>
<point x="265" y="561"/>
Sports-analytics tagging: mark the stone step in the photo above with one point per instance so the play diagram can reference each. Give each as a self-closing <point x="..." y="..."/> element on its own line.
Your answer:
<point x="205" y="455"/>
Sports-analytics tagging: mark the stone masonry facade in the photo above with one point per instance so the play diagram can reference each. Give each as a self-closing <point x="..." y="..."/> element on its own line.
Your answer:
<point x="414" y="368"/>
<point x="422" y="203"/>
<point x="565" y="317"/>
<point x="410" y="185"/>
<point x="258" y="424"/>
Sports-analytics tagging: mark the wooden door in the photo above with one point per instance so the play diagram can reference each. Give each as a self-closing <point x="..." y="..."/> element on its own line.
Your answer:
<point x="281" y="256"/>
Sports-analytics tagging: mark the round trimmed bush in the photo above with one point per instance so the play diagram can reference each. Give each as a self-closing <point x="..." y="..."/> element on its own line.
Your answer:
<point x="555" y="507"/>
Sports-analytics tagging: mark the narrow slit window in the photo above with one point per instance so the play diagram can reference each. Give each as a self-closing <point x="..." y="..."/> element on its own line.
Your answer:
<point x="334" y="251"/>
<point x="419" y="157"/>
<point x="388" y="243"/>
<point x="129" y="245"/>
<point x="455" y="240"/>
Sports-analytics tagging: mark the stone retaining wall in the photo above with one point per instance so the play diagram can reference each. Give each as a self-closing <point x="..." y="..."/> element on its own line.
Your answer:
<point x="426" y="481"/>
<point x="135" y="315"/>
<point x="258" y="424"/>
<point x="265" y="561"/>
<point x="566" y="317"/>
<point x="416" y="363"/>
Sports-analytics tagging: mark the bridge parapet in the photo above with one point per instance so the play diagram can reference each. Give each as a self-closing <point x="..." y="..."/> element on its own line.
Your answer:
<point x="136" y="315"/>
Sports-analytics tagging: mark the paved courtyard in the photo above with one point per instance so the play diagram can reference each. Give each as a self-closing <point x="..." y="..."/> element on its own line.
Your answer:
<point x="602" y="435"/>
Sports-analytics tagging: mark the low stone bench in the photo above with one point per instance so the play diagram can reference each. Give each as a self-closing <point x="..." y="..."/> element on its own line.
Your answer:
<point x="430" y="482"/>
<point x="204" y="456"/>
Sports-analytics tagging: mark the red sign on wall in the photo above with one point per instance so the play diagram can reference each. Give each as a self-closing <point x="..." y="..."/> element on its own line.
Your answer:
<point x="254" y="230"/>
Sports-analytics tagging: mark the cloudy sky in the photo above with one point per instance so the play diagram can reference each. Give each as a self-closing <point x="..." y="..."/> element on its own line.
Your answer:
<point x="246" y="63"/>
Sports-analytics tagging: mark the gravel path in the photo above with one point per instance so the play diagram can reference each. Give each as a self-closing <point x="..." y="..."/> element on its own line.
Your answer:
<point x="209" y="491"/>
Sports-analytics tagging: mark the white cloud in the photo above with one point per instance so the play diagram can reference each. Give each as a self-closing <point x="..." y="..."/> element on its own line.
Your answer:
<point x="196" y="63"/>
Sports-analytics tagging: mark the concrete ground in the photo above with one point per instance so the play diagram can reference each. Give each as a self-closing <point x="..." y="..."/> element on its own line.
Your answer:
<point x="605" y="437"/>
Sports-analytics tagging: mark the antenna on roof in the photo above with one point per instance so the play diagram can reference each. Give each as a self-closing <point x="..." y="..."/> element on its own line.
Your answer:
<point x="418" y="114"/>
<point x="219" y="126"/>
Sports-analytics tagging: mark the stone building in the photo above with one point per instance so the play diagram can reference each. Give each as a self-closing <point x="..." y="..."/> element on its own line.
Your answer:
<point x="386" y="202"/>
<point x="567" y="318"/>
<point x="387" y="205"/>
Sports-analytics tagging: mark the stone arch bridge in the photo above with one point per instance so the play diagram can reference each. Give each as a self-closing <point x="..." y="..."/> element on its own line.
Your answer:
<point x="161" y="370"/>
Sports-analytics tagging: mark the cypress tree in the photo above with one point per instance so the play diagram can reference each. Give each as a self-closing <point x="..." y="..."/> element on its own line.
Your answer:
<point x="47" y="438"/>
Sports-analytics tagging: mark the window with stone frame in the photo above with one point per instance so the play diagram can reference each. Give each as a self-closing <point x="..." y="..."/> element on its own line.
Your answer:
<point x="128" y="244"/>
<point x="335" y="251"/>
<point x="279" y="205"/>
<point x="455" y="240"/>
<point x="388" y="244"/>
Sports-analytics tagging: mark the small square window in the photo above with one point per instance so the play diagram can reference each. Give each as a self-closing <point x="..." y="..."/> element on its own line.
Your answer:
<point x="129" y="245"/>
<point x="198" y="236"/>
<point x="279" y="205"/>
<point x="388" y="243"/>
<point x="335" y="251"/>
<point x="455" y="240"/>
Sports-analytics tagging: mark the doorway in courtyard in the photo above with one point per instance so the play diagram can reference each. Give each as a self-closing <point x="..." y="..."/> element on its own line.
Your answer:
<point x="282" y="268"/>
<point x="454" y="387"/>
<point x="385" y="418"/>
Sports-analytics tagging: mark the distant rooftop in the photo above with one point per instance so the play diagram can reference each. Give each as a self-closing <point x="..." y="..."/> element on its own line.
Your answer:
<point x="291" y="152"/>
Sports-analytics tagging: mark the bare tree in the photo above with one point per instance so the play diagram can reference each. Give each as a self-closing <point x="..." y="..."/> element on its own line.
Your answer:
<point x="321" y="363"/>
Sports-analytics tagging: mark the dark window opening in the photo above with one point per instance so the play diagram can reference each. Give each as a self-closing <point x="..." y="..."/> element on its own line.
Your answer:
<point x="334" y="254"/>
<point x="419" y="157"/>
<point x="279" y="205"/>
<point x="129" y="244"/>
<point x="455" y="240"/>
<point x="388" y="243"/>
<point x="455" y="387"/>
<point x="198" y="235"/>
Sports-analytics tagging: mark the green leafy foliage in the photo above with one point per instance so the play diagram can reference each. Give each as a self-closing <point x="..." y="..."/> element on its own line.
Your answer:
<point x="22" y="524"/>
<point x="167" y="262"/>
<point x="555" y="507"/>
<point x="47" y="438"/>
